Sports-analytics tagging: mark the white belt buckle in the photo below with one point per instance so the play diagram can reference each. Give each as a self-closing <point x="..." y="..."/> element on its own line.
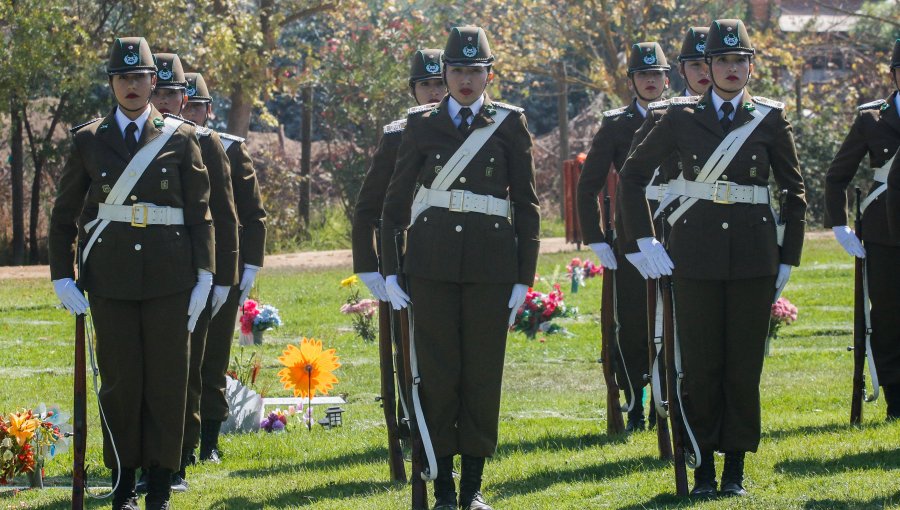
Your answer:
<point x="727" y="193"/>
<point x="139" y="221"/>
<point x="457" y="200"/>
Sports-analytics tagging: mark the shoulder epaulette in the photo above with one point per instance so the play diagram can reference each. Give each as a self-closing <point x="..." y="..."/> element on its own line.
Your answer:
<point x="871" y="106"/>
<point x="421" y="108"/>
<point x="395" y="127"/>
<point x="658" y="105"/>
<point x="684" y="100"/>
<point x="179" y="117"/>
<point x="510" y="107"/>
<point x="233" y="138"/>
<point x="76" y="128"/>
<point x="615" y="113"/>
<point x="771" y="103"/>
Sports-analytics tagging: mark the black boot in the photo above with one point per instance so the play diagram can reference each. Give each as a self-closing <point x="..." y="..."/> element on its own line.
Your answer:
<point x="179" y="478"/>
<point x="141" y="487"/>
<point x="470" y="497"/>
<point x="159" y="489"/>
<point x="209" y="441"/>
<point x="892" y="397"/>
<point x="705" y="477"/>
<point x="444" y="486"/>
<point x="733" y="475"/>
<point x="124" y="498"/>
<point x="636" y="421"/>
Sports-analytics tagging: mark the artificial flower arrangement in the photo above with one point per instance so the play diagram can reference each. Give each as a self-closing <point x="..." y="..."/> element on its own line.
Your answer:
<point x="362" y="310"/>
<point x="783" y="313"/>
<point x="538" y="311"/>
<point x="278" y="420"/>
<point x="309" y="368"/>
<point x="255" y="319"/>
<point x="27" y="439"/>
<point x="579" y="271"/>
<point x="245" y="370"/>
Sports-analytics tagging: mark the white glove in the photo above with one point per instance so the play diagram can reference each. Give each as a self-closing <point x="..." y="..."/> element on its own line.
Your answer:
<point x="219" y="296"/>
<point x="639" y="261"/>
<point x="70" y="296"/>
<point x="199" y="296"/>
<point x="375" y="283"/>
<point x="605" y="254"/>
<point x="658" y="261"/>
<point x="516" y="299"/>
<point x="784" y="274"/>
<point x="395" y="294"/>
<point x="247" y="281"/>
<point x="849" y="241"/>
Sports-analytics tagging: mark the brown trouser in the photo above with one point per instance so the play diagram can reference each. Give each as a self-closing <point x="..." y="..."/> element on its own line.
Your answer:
<point x="460" y="339"/>
<point x="142" y="353"/>
<point x="631" y="310"/>
<point x="722" y="328"/>
<point x="883" y="266"/>
<point x="216" y="357"/>
<point x="192" y="405"/>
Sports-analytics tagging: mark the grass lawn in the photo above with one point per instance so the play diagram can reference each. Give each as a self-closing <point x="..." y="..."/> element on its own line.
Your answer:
<point x="553" y="452"/>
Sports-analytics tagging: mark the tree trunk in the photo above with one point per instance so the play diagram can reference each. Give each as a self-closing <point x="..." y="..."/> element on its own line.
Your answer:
<point x="305" y="149"/>
<point x="17" y="150"/>
<point x="562" y="110"/>
<point x="33" y="216"/>
<point x="239" y="115"/>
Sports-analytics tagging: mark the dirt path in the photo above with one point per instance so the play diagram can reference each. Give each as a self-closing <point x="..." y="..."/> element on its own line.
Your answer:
<point x="311" y="260"/>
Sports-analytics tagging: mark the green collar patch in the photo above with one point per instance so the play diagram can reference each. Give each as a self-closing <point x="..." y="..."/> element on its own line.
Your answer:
<point x="436" y="110"/>
<point x="701" y="106"/>
<point x="885" y="106"/>
<point x="749" y="106"/>
<point x="103" y="127"/>
<point x="158" y="122"/>
<point x="490" y="110"/>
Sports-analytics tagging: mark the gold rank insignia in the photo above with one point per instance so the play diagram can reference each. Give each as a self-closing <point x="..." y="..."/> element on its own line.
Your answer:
<point x="164" y="184"/>
<point x="489" y="171"/>
<point x="752" y="171"/>
<point x="438" y="168"/>
<point x="106" y="188"/>
<point x="696" y="170"/>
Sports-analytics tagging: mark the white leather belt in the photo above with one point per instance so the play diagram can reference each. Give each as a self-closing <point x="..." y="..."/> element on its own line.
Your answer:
<point x="141" y="215"/>
<point x="720" y="192"/>
<point x="656" y="193"/>
<point x="458" y="200"/>
<point x="881" y="174"/>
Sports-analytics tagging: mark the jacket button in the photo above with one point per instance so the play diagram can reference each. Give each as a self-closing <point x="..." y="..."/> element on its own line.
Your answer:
<point x="103" y="174"/>
<point x="459" y="228"/>
<point x="462" y="180"/>
<point x="724" y="177"/>
<point x="725" y="225"/>
<point x="425" y="218"/>
<point x="99" y="239"/>
<point x="134" y="197"/>
<point x="437" y="156"/>
<point x="885" y="150"/>
<point x="753" y="157"/>
<point x="137" y="247"/>
<point x="496" y="225"/>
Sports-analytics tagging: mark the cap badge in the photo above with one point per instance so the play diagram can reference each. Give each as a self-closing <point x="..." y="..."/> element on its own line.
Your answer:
<point x="470" y="51"/>
<point x="433" y="67"/>
<point x="131" y="59"/>
<point x="700" y="47"/>
<point x="649" y="59"/>
<point x="191" y="91"/>
<point x="731" y="40"/>
<point x="165" y="74"/>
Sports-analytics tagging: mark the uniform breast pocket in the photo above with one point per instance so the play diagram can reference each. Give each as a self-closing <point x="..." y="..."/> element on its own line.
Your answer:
<point x="764" y="227"/>
<point x="420" y="241"/>
<point x="499" y="242"/>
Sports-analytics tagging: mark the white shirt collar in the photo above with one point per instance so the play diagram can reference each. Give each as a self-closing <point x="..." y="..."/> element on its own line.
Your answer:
<point x="640" y="109"/>
<point x="123" y="121"/>
<point x="718" y="101"/>
<point x="453" y="108"/>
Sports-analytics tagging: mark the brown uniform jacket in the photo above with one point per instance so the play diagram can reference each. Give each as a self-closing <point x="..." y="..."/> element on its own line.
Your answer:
<point x="221" y="206"/>
<point x="370" y="200"/>
<point x="876" y="132"/>
<point x="466" y="247"/>
<point x="717" y="241"/>
<point x="893" y="200"/>
<point x="129" y="262"/>
<point x="247" y="200"/>
<point x="608" y="149"/>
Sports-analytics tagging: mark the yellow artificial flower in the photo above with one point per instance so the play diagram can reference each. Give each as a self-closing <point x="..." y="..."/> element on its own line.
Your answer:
<point x="350" y="281"/>
<point x="22" y="427"/>
<point x="309" y="368"/>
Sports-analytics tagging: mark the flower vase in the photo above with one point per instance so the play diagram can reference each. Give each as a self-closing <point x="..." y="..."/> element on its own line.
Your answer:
<point x="258" y="336"/>
<point x="36" y="477"/>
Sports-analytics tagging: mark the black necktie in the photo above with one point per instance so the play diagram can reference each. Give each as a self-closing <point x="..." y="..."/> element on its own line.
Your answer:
<point x="130" y="138"/>
<point x="465" y="113"/>
<point x="725" y="121"/>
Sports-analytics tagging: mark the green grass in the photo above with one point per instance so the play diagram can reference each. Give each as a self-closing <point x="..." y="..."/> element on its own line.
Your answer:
<point x="553" y="454"/>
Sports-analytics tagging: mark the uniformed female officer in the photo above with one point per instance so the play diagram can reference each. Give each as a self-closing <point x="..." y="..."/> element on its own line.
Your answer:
<point x="647" y="67"/>
<point x="692" y="63"/>
<point x="170" y="96"/>
<point x="876" y="132"/>
<point x="728" y="265"/>
<point x="468" y="263"/>
<point x="135" y="193"/>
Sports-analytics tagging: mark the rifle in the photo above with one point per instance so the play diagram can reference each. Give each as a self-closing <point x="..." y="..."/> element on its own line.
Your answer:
<point x="861" y="331"/>
<point x="419" y="490"/>
<point x="663" y="441"/>
<point x="388" y="388"/>
<point x="674" y="398"/>
<point x="79" y="417"/>
<point x="609" y="336"/>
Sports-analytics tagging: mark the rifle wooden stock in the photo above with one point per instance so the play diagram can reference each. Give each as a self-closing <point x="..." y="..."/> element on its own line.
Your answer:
<point x="859" y="329"/>
<point x="419" y="490"/>
<point x="663" y="441"/>
<point x="675" y="418"/>
<point x="79" y="416"/>
<point x="615" y="424"/>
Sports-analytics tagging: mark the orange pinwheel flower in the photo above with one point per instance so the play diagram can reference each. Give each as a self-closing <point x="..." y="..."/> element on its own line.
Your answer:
<point x="309" y="368"/>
